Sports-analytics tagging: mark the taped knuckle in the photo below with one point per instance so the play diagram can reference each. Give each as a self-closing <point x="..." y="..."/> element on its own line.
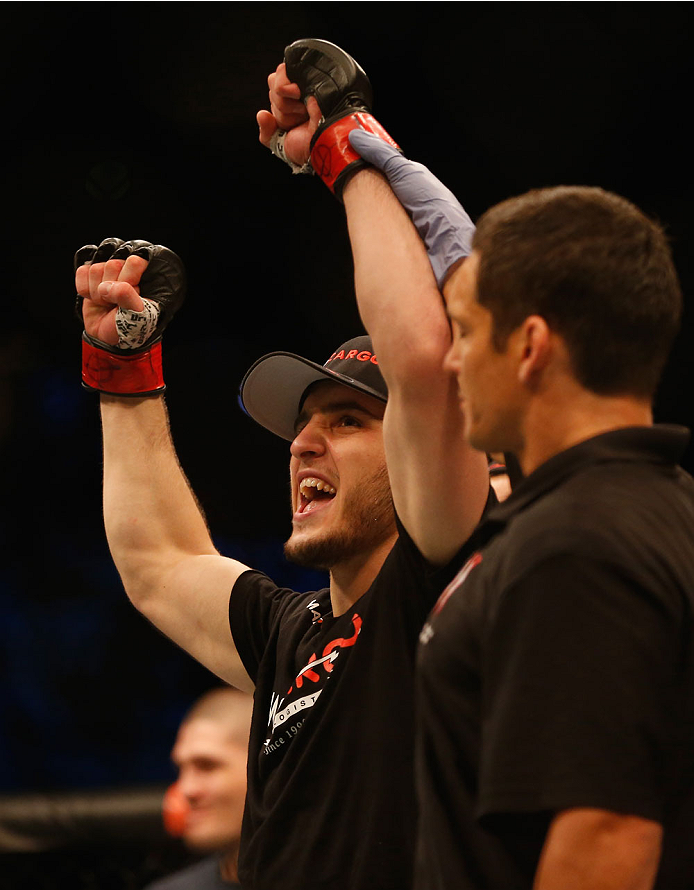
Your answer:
<point x="135" y="328"/>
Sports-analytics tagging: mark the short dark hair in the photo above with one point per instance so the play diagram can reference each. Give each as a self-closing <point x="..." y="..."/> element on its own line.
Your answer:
<point x="596" y="269"/>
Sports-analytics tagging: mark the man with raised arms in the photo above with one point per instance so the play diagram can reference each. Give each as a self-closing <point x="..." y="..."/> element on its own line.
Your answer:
<point x="331" y="796"/>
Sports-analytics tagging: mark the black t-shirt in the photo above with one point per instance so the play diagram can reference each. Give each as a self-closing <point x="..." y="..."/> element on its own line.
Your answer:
<point x="331" y="802"/>
<point x="557" y="669"/>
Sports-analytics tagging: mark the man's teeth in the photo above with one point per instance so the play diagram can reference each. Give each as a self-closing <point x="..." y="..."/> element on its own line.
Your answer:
<point x="311" y="482"/>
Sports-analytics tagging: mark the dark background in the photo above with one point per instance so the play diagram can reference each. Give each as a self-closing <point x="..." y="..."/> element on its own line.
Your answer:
<point x="138" y="120"/>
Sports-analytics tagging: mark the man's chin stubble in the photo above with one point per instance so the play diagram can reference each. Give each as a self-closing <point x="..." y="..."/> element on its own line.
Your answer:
<point x="368" y="521"/>
<point x="321" y="554"/>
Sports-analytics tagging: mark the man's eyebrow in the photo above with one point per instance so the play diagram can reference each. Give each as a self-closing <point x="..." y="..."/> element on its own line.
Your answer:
<point x="332" y="408"/>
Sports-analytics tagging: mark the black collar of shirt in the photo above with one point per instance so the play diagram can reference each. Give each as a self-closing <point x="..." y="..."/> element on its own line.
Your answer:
<point x="662" y="444"/>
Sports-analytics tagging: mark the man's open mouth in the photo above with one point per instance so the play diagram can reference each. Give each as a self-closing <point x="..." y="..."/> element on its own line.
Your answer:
<point x="312" y="492"/>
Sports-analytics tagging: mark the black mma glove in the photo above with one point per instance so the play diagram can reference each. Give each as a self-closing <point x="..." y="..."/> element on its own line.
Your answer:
<point x="134" y="366"/>
<point x="343" y="93"/>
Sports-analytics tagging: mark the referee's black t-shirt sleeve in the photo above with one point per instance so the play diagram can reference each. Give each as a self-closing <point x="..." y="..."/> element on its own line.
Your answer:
<point x="253" y="606"/>
<point x="576" y="701"/>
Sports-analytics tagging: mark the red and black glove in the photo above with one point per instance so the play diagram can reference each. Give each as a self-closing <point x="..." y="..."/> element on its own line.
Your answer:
<point x="343" y="92"/>
<point x="133" y="367"/>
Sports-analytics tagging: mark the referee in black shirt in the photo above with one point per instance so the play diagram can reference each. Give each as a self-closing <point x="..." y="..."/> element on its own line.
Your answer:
<point x="556" y="673"/>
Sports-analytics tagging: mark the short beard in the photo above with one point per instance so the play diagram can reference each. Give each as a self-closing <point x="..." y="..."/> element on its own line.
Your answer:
<point x="368" y="521"/>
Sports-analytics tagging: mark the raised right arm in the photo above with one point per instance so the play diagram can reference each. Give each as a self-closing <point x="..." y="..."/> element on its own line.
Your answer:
<point x="158" y="537"/>
<point x="439" y="483"/>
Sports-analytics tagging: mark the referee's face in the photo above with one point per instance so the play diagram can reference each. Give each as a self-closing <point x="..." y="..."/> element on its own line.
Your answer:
<point x="341" y="502"/>
<point x="491" y="396"/>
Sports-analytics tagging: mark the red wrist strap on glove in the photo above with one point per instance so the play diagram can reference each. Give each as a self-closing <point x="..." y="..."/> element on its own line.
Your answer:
<point x="122" y="373"/>
<point x="332" y="156"/>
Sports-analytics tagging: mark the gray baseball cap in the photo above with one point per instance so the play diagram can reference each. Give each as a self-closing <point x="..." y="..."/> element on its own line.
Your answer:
<point x="274" y="387"/>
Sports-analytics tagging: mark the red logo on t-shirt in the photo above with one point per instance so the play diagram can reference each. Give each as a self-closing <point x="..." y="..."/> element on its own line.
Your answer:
<point x="330" y="653"/>
<point x="285" y="720"/>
